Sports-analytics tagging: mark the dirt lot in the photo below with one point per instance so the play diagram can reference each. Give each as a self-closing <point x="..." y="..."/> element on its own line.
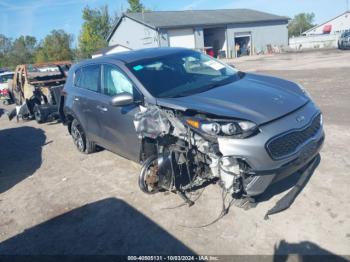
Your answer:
<point x="54" y="200"/>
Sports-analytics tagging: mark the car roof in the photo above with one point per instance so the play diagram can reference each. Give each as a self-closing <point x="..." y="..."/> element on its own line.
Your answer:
<point x="6" y="73"/>
<point x="141" y="54"/>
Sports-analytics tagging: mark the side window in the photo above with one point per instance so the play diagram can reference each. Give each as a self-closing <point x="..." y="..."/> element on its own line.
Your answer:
<point x="88" y="77"/>
<point x="77" y="78"/>
<point x="115" y="82"/>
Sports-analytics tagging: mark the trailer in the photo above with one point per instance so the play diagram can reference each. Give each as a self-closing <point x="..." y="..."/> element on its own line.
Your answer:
<point x="36" y="90"/>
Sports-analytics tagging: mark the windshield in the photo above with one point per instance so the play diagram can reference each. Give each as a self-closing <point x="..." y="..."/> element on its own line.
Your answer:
<point x="182" y="74"/>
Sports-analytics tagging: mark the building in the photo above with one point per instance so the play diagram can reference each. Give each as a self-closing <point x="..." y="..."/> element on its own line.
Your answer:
<point x="324" y="35"/>
<point x="337" y="25"/>
<point x="223" y="33"/>
<point x="110" y="50"/>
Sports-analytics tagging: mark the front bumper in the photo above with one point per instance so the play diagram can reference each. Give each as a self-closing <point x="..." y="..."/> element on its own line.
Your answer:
<point x="264" y="169"/>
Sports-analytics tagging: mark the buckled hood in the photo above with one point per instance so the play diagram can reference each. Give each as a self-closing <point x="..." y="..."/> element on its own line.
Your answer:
<point x="253" y="97"/>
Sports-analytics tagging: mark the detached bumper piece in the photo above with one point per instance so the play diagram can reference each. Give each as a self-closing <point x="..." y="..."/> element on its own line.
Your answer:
<point x="286" y="201"/>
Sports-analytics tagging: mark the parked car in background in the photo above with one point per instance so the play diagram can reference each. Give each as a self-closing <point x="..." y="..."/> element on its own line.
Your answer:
<point x="344" y="40"/>
<point x="36" y="89"/>
<point x="190" y="119"/>
<point x="5" y="94"/>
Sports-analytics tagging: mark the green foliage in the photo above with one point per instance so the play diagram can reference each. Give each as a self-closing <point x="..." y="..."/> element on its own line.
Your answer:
<point x="20" y="51"/>
<point x="135" y="6"/>
<point x="300" y="23"/>
<point x="5" y="47"/>
<point x="95" y="29"/>
<point x="23" y="50"/>
<point x="55" y="47"/>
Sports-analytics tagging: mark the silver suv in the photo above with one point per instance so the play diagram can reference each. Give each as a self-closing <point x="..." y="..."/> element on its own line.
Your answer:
<point x="190" y="119"/>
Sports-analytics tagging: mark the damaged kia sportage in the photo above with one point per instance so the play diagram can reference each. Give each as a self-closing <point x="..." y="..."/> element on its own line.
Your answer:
<point x="191" y="120"/>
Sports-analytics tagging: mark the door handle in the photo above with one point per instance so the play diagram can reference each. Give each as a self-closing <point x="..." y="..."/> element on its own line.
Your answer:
<point x="104" y="109"/>
<point x="76" y="98"/>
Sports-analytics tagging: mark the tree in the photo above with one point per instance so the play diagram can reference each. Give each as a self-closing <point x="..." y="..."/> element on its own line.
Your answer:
<point x="95" y="29"/>
<point x="55" y="47"/>
<point x="22" y="51"/>
<point x="135" y="6"/>
<point x="300" y="23"/>
<point x="5" y="48"/>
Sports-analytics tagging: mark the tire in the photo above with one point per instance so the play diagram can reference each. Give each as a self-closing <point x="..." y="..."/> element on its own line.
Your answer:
<point x="80" y="140"/>
<point x="5" y="102"/>
<point x="142" y="177"/>
<point x="39" y="117"/>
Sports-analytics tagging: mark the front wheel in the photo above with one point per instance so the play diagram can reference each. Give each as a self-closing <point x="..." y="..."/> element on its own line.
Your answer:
<point x="148" y="178"/>
<point x="340" y="46"/>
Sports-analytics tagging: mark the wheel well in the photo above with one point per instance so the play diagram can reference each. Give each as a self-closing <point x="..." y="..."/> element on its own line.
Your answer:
<point x="148" y="148"/>
<point x="69" y="120"/>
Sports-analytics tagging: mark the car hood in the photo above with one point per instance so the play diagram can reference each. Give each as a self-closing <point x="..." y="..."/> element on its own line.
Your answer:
<point x="254" y="97"/>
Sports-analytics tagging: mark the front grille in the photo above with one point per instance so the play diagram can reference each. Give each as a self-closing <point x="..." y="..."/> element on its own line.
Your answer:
<point x="288" y="143"/>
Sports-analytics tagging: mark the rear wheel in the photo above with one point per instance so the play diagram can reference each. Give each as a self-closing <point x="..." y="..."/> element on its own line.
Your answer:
<point x="80" y="140"/>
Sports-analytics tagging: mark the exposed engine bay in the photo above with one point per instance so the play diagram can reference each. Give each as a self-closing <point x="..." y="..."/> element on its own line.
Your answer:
<point x="181" y="153"/>
<point x="180" y="158"/>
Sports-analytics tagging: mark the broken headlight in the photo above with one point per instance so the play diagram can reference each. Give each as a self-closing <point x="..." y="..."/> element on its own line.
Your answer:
<point x="237" y="128"/>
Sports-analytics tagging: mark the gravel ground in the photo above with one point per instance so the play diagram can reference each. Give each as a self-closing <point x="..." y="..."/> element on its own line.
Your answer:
<point x="54" y="200"/>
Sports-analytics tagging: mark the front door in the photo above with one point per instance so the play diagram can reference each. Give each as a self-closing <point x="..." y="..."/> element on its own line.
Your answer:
<point x="116" y="123"/>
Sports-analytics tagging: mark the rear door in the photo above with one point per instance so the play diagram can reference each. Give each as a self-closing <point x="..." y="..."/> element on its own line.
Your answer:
<point x="116" y="123"/>
<point x="87" y="85"/>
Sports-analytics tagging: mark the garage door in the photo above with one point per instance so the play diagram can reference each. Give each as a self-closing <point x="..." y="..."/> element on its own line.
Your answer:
<point x="181" y="38"/>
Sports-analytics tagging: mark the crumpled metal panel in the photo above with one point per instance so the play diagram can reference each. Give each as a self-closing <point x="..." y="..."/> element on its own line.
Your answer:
<point x="151" y="122"/>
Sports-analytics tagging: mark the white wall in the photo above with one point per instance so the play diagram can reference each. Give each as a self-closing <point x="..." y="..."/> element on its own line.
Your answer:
<point x="134" y="35"/>
<point x="117" y="49"/>
<point x="181" y="38"/>
<point x="314" y="41"/>
<point x="339" y="24"/>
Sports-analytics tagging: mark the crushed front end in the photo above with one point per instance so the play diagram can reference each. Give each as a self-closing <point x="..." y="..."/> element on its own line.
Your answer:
<point x="185" y="150"/>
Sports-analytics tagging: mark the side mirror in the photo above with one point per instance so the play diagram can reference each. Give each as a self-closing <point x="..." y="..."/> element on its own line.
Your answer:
<point x="122" y="99"/>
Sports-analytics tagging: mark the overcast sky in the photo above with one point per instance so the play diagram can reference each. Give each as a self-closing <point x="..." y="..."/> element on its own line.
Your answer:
<point x="39" y="17"/>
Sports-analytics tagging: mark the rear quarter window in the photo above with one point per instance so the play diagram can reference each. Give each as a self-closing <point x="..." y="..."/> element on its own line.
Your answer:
<point x="88" y="77"/>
